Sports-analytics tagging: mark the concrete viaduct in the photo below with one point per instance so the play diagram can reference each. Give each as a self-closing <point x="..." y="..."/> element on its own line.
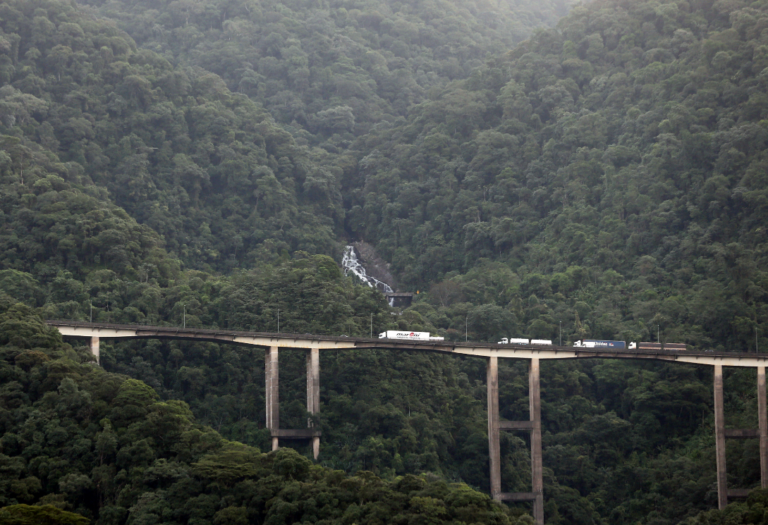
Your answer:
<point x="491" y="352"/>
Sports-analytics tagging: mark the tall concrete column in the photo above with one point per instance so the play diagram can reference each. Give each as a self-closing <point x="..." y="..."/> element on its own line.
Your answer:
<point x="494" y="448"/>
<point x="95" y="348"/>
<point x="762" y="418"/>
<point x="272" y="392"/>
<point x="536" y="459"/>
<point x="313" y="392"/>
<point x="722" y="479"/>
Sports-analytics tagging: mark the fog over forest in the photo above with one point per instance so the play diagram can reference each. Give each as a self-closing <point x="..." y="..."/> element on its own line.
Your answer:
<point x="538" y="169"/>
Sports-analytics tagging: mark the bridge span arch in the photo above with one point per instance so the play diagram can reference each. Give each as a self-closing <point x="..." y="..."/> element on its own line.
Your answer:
<point x="272" y="342"/>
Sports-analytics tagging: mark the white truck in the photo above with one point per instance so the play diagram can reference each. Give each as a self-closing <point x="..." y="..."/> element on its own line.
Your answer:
<point x="408" y="336"/>
<point x="599" y="343"/>
<point x="514" y="341"/>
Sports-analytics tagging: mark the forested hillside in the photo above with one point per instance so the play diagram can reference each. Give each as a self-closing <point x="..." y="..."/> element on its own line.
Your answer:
<point x="332" y="70"/>
<point x="606" y="176"/>
<point x="87" y="445"/>
<point x="614" y="168"/>
<point x="206" y="169"/>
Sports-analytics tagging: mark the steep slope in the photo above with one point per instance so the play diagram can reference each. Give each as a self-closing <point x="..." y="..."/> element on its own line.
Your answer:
<point x="205" y="168"/>
<point x="332" y="68"/>
<point x="614" y="167"/>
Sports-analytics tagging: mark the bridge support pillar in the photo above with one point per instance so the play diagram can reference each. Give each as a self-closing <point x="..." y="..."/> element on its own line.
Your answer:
<point x="762" y="419"/>
<point x="722" y="479"/>
<point x="271" y="374"/>
<point x="95" y="348"/>
<point x="534" y="394"/>
<point x="313" y="393"/>
<point x="494" y="448"/>
<point x="533" y="425"/>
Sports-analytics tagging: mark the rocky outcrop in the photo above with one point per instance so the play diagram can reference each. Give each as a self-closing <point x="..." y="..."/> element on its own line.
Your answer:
<point x="374" y="265"/>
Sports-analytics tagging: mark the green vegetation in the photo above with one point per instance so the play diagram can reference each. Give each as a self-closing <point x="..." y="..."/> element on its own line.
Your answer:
<point x="333" y="70"/>
<point x="606" y="175"/>
<point x="205" y="168"/>
<point x="39" y="515"/>
<point x="753" y="511"/>
<point x="92" y="445"/>
<point x="612" y="169"/>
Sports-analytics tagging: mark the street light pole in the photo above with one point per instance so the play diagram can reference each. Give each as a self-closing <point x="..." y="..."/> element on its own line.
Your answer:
<point x="185" y="317"/>
<point x="278" y="320"/>
<point x="561" y="333"/>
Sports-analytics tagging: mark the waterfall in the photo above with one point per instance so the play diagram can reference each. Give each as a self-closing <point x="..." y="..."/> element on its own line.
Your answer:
<point x="350" y="263"/>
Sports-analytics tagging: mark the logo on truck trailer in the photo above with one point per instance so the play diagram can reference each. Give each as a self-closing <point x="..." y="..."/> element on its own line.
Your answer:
<point x="417" y="336"/>
<point x="597" y="343"/>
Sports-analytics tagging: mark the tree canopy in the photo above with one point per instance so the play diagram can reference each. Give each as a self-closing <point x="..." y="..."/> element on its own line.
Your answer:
<point x="93" y="446"/>
<point x="171" y="162"/>
<point x="606" y="174"/>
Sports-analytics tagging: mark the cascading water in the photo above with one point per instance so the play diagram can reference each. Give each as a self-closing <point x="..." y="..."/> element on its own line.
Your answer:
<point x="350" y="263"/>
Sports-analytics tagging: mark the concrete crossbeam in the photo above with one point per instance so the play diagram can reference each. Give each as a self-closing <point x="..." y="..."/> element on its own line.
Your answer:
<point x="518" y="496"/>
<point x="516" y="425"/>
<point x="299" y="433"/>
<point x="744" y="433"/>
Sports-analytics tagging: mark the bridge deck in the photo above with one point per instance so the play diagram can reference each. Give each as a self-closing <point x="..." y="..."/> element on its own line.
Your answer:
<point x="325" y="342"/>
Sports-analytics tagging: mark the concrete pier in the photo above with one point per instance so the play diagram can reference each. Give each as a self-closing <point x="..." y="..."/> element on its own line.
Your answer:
<point x="762" y="419"/>
<point x="494" y="448"/>
<point x="313" y="393"/>
<point x="536" y="457"/>
<point x="533" y="425"/>
<point x="490" y="351"/>
<point x="271" y="374"/>
<point x="722" y="479"/>
<point x="95" y="348"/>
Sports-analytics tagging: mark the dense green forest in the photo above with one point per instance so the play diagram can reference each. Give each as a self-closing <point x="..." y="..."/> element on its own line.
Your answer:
<point x="86" y="443"/>
<point x="207" y="169"/>
<point x="613" y="169"/>
<point x="209" y="160"/>
<point x="335" y="69"/>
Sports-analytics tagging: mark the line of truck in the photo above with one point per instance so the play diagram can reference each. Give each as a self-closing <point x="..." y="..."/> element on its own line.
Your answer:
<point x="600" y="344"/>
<point x="586" y="343"/>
